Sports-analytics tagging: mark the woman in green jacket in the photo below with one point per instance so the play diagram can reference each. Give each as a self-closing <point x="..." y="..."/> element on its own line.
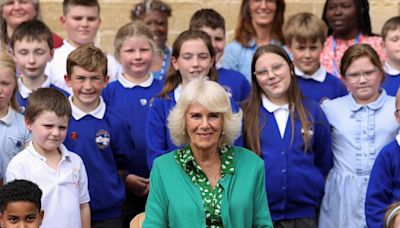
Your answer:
<point x="207" y="182"/>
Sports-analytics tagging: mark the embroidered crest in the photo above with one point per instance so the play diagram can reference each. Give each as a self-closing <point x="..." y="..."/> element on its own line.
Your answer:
<point x="102" y="139"/>
<point x="143" y="102"/>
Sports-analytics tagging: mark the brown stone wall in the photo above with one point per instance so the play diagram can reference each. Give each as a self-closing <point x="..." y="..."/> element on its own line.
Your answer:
<point x="115" y="13"/>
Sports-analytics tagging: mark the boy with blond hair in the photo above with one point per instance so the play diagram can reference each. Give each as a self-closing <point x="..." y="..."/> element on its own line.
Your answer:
<point x="391" y="43"/>
<point x="305" y="35"/>
<point x="81" y="21"/>
<point x="384" y="182"/>
<point x="47" y="162"/>
<point x="32" y="48"/>
<point x="99" y="135"/>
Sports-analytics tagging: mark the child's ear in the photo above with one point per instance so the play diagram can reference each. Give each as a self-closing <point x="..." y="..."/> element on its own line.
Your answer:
<point x="51" y="54"/>
<point x="28" y="124"/>
<point x="62" y="21"/>
<point x="67" y="80"/>
<point x="41" y="216"/>
<point x="383" y="44"/>
<point x="174" y="62"/>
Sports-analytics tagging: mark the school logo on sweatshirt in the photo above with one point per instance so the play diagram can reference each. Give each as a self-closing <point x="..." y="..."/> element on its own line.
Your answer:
<point x="102" y="139"/>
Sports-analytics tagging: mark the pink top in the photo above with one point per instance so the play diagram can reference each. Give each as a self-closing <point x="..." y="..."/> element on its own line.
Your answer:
<point x="328" y="54"/>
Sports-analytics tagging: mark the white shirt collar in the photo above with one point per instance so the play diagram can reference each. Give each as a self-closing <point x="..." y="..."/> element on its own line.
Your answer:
<point x="271" y="107"/>
<point x="318" y="76"/>
<point x="390" y="70"/>
<point x="178" y="92"/>
<point x="63" y="150"/>
<point x="25" y="91"/>
<point x="98" y="113"/>
<point x="129" y="85"/>
<point x="8" y="118"/>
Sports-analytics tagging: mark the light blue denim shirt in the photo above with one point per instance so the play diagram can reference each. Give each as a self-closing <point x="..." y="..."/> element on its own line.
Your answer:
<point x="358" y="134"/>
<point x="13" y="137"/>
<point x="237" y="57"/>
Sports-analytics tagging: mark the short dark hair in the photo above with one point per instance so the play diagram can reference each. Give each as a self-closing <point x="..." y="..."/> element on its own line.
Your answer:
<point x="89" y="58"/>
<point x="207" y="18"/>
<point x="47" y="99"/>
<point x="146" y="6"/>
<point x="20" y="190"/>
<point x="33" y="30"/>
<point x="88" y="3"/>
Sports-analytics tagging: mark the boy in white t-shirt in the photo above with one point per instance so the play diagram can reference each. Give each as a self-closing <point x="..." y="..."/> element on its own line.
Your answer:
<point x="59" y="173"/>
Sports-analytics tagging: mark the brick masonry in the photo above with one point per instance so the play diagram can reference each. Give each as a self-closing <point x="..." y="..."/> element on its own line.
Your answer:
<point x="115" y="13"/>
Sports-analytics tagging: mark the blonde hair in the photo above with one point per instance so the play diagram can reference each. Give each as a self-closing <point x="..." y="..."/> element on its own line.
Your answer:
<point x="214" y="98"/>
<point x="133" y="29"/>
<point x="7" y="62"/>
<point x="303" y="27"/>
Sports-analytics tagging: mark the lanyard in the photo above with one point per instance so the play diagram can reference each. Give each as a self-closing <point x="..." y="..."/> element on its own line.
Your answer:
<point x="335" y="69"/>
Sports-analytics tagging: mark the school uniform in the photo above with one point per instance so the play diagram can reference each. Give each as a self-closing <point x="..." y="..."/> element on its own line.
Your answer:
<point x="125" y="97"/>
<point x="103" y="140"/>
<point x="358" y="134"/>
<point x="392" y="80"/>
<point x="294" y="178"/>
<point x="24" y="92"/>
<point x="384" y="184"/>
<point x="56" y="69"/>
<point x="235" y="84"/>
<point x="64" y="189"/>
<point x="13" y="137"/>
<point x="320" y="86"/>
<point x="158" y="138"/>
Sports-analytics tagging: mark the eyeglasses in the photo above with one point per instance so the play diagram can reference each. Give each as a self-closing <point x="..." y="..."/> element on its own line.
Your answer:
<point x="276" y="69"/>
<point x="355" y="77"/>
<point x="258" y="2"/>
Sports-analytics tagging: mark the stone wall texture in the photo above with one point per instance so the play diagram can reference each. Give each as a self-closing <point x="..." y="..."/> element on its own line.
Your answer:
<point x="115" y="13"/>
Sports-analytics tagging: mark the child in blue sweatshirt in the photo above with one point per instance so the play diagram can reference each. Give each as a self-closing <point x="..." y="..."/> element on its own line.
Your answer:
<point x="292" y="136"/>
<point x="130" y="96"/>
<point x="391" y="42"/>
<point x="98" y="134"/>
<point x="305" y="35"/>
<point x="384" y="182"/>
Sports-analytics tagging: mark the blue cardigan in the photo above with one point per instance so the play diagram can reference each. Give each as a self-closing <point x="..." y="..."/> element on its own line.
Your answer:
<point x="175" y="201"/>
<point x="384" y="184"/>
<point x="295" y="178"/>
<point x="234" y="83"/>
<point x="391" y="84"/>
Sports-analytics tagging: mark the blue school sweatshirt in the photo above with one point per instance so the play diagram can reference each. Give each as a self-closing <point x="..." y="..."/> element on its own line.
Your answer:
<point x="234" y="83"/>
<point x="105" y="146"/>
<point x="133" y="104"/>
<point x="384" y="184"/>
<point x="391" y="84"/>
<point x="295" y="178"/>
<point x="330" y="88"/>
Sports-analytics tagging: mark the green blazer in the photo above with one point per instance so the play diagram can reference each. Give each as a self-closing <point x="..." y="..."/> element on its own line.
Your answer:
<point x="175" y="201"/>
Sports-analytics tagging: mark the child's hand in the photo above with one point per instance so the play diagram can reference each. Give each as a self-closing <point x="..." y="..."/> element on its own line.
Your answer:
<point x="137" y="185"/>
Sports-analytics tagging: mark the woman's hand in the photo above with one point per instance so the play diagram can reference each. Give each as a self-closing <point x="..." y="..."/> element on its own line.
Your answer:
<point x="137" y="185"/>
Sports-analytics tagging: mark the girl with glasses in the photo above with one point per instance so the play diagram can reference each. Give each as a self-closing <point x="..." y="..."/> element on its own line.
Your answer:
<point x="362" y="123"/>
<point x="291" y="135"/>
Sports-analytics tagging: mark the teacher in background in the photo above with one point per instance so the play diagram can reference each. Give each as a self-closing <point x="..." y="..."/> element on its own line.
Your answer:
<point x="260" y="22"/>
<point x="208" y="182"/>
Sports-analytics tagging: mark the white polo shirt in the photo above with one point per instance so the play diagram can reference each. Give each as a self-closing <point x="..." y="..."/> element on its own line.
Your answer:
<point x="63" y="189"/>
